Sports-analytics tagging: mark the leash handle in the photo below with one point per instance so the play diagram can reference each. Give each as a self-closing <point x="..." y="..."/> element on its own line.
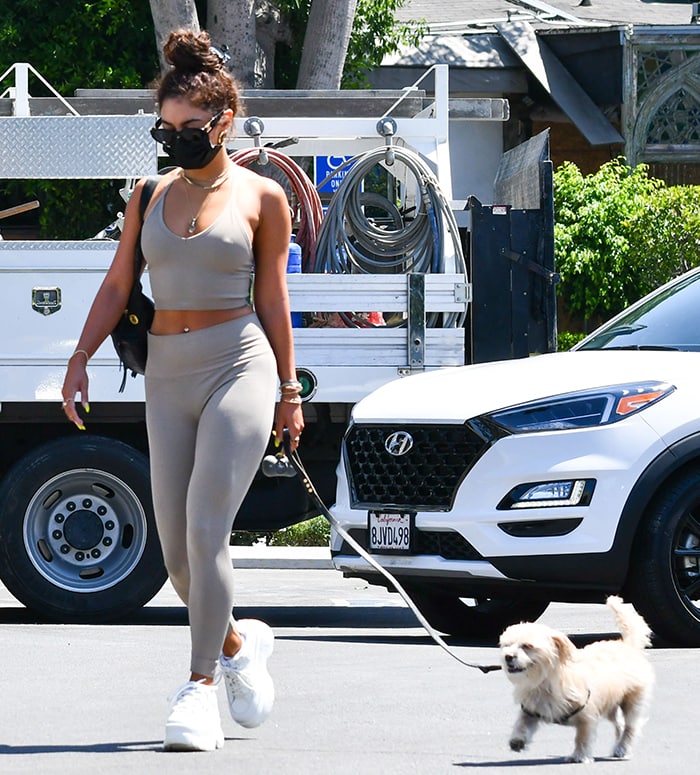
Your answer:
<point x="293" y="456"/>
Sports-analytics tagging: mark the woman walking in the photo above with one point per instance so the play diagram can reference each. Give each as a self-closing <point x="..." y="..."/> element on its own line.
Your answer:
<point x="215" y="361"/>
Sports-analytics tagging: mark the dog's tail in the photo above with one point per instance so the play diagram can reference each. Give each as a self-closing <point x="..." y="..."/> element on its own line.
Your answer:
<point x="633" y="628"/>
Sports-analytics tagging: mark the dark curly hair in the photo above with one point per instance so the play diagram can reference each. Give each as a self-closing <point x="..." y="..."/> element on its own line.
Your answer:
<point x="198" y="73"/>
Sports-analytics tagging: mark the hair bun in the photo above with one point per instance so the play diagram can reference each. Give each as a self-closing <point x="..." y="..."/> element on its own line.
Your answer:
<point x="192" y="52"/>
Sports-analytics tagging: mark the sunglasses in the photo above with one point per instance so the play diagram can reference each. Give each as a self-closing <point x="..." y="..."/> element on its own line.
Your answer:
<point x="169" y="136"/>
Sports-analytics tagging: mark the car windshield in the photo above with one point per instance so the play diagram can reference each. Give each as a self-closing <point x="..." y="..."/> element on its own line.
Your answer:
<point x="669" y="320"/>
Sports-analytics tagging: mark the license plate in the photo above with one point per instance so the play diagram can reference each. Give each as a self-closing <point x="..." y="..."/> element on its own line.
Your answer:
<point x="389" y="532"/>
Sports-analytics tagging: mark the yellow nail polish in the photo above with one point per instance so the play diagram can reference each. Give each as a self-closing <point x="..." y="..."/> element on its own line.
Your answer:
<point x="81" y="427"/>
<point x="87" y="408"/>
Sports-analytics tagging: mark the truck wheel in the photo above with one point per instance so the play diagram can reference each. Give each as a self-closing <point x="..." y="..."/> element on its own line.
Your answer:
<point x="479" y="617"/>
<point x="665" y="575"/>
<point x="77" y="535"/>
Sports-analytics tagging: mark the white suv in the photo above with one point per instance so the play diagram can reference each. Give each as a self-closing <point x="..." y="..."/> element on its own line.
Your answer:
<point x="491" y="490"/>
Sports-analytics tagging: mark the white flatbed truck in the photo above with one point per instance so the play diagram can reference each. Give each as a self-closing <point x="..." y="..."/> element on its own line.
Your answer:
<point x="77" y="537"/>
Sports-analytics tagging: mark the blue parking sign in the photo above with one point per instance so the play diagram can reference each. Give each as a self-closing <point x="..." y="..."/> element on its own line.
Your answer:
<point x="324" y="166"/>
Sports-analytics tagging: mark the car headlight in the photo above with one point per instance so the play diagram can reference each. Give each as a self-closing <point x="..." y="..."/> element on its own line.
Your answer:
<point x="584" y="409"/>
<point x="537" y="495"/>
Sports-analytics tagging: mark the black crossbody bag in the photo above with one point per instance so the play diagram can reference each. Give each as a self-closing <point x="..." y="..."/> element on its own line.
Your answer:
<point x="130" y="335"/>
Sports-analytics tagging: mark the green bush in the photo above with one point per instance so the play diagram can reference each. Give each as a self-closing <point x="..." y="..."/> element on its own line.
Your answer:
<point x="595" y="219"/>
<point x="567" y="339"/>
<point x="312" y="532"/>
<point x="667" y="234"/>
<point x="618" y="234"/>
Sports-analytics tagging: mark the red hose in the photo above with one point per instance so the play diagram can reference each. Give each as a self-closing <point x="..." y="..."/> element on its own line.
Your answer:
<point x="308" y="211"/>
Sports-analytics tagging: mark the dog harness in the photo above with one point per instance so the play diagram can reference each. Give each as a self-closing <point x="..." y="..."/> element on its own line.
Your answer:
<point x="561" y="720"/>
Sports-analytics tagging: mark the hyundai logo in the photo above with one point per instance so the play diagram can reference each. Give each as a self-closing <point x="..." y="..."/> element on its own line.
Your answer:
<point x="398" y="443"/>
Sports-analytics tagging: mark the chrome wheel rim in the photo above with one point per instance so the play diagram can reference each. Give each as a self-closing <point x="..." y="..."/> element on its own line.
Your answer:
<point x="85" y="530"/>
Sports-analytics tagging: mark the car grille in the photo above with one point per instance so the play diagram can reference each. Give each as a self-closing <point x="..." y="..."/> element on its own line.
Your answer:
<point x="451" y="546"/>
<point x="424" y="479"/>
<point x="447" y="544"/>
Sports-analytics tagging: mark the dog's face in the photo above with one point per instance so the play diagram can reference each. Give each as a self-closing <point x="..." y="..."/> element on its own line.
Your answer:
<point x="532" y="652"/>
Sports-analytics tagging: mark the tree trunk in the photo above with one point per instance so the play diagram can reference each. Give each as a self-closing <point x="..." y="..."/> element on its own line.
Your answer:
<point x="326" y="44"/>
<point x="232" y="23"/>
<point x="169" y="15"/>
<point x="271" y="28"/>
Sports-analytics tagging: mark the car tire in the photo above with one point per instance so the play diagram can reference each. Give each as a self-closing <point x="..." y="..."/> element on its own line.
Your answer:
<point x="78" y="541"/>
<point x="481" y="617"/>
<point x="665" y="574"/>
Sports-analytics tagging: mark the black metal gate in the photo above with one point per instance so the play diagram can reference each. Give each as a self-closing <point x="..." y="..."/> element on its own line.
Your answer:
<point x="511" y="257"/>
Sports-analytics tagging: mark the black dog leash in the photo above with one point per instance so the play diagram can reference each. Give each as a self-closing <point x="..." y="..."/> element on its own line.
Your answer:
<point x="287" y="463"/>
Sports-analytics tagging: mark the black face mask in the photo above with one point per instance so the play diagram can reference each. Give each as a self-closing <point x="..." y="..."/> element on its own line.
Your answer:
<point x="188" y="148"/>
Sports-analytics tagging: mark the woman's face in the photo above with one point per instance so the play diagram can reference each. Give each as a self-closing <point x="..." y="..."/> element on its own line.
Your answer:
<point x="179" y="113"/>
<point x="191" y="135"/>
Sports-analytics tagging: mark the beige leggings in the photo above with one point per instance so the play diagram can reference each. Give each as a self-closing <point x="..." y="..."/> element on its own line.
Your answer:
<point x="210" y="398"/>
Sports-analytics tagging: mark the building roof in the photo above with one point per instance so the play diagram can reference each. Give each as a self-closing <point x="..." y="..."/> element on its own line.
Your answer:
<point x="466" y="33"/>
<point x="492" y="44"/>
<point x="458" y="16"/>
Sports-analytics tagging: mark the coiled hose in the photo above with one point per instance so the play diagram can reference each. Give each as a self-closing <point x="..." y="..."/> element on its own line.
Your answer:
<point x="308" y="210"/>
<point x="350" y="242"/>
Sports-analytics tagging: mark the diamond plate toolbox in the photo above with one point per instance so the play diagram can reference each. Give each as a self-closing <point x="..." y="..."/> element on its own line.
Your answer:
<point x="52" y="147"/>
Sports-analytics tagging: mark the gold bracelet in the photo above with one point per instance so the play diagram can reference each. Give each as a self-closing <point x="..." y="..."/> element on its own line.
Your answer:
<point x="290" y="400"/>
<point x="291" y="385"/>
<point x="84" y="352"/>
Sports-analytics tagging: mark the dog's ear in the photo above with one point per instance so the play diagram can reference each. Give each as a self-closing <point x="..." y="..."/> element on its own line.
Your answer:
<point x="565" y="647"/>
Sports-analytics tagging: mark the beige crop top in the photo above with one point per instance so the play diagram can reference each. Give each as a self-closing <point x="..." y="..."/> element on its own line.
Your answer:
<point x="209" y="270"/>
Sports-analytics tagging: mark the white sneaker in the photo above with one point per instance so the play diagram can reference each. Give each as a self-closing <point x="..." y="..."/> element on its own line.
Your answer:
<point x="249" y="686"/>
<point x="194" y="723"/>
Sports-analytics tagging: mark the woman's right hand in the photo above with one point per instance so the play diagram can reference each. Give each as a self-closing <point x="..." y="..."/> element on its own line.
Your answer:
<point x="105" y="311"/>
<point x="76" y="382"/>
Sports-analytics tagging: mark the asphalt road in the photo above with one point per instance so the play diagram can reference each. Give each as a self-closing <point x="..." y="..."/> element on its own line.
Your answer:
<point x="360" y="688"/>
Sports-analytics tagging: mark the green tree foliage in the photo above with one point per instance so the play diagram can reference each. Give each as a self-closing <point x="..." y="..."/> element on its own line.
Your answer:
<point x="618" y="234"/>
<point x="75" y="44"/>
<point x="375" y="35"/>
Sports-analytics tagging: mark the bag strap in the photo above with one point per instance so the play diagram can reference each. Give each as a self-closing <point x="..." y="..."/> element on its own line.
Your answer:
<point x="149" y="187"/>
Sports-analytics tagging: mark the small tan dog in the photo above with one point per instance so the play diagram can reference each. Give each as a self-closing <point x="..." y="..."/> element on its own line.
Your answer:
<point x="557" y="683"/>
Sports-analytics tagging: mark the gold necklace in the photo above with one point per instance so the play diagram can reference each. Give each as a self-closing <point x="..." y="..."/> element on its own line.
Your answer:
<point x="210" y="184"/>
<point x="193" y="222"/>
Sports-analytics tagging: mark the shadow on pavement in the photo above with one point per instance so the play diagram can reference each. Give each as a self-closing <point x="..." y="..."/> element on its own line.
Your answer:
<point x="514" y="763"/>
<point x="332" y="617"/>
<point x="115" y="747"/>
<point x="27" y="750"/>
<point x="275" y="616"/>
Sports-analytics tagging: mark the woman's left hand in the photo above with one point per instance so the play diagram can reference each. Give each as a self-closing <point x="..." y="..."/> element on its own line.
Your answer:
<point x="291" y="417"/>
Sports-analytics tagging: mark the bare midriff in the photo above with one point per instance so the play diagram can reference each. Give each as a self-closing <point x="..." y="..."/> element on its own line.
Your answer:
<point x="182" y="321"/>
